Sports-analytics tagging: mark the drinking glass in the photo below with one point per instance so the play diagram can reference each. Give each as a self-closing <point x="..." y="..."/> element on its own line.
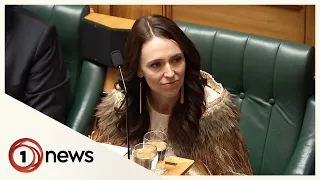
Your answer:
<point x="144" y="154"/>
<point x="158" y="139"/>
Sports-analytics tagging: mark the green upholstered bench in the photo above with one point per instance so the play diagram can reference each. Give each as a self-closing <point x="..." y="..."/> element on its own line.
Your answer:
<point x="272" y="83"/>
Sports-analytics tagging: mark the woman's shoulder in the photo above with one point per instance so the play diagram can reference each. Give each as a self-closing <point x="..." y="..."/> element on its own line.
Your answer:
<point x="214" y="91"/>
<point x="112" y="100"/>
<point x="107" y="119"/>
<point x="211" y="82"/>
<point x="114" y="96"/>
<point x="221" y="114"/>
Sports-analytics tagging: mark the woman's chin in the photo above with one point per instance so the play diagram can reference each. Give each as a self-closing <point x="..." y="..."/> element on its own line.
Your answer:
<point x="170" y="94"/>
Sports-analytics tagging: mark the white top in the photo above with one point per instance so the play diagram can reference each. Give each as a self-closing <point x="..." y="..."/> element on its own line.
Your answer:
<point x="160" y="121"/>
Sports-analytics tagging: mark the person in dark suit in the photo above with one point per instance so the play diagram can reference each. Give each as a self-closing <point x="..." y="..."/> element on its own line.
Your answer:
<point x="35" y="73"/>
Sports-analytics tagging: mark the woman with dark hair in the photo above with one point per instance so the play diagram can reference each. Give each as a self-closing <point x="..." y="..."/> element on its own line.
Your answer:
<point x="167" y="91"/>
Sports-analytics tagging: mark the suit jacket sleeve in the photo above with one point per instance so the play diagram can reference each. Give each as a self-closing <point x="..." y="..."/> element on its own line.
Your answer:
<point x="47" y="88"/>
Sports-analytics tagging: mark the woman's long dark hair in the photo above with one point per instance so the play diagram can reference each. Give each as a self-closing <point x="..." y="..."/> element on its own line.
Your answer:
<point x="184" y="120"/>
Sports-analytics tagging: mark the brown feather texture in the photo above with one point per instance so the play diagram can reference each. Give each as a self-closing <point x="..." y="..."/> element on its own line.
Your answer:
<point x="219" y="148"/>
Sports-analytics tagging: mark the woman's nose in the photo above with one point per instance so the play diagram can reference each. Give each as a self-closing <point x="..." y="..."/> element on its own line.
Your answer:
<point x="169" y="71"/>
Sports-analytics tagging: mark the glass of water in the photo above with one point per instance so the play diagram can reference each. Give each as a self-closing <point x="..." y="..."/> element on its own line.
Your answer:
<point x="144" y="154"/>
<point x="158" y="139"/>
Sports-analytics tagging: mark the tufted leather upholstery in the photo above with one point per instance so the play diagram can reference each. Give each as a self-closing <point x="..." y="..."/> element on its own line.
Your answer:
<point x="86" y="77"/>
<point x="272" y="82"/>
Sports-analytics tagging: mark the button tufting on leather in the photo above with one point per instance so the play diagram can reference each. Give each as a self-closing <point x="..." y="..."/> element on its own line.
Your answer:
<point x="242" y="95"/>
<point x="271" y="101"/>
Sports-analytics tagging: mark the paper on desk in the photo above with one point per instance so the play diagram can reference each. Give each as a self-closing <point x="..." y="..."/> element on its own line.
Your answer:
<point x="118" y="149"/>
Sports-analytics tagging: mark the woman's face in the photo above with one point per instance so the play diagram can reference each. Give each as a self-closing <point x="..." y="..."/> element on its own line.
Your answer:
<point x="162" y="63"/>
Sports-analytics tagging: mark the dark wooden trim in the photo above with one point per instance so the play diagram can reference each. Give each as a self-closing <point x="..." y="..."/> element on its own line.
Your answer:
<point x="167" y="11"/>
<point x="292" y="7"/>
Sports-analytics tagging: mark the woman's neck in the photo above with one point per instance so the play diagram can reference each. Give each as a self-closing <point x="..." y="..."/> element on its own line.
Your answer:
<point x="161" y="104"/>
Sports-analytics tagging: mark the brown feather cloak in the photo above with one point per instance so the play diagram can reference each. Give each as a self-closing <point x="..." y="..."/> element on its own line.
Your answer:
<point x="219" y="149"/>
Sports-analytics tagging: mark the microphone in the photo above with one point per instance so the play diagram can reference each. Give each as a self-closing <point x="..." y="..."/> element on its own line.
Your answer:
<point x="117" y="61"/>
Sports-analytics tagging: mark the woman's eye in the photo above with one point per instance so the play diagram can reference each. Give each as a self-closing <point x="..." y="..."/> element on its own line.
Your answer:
<point x="155" y="65"/>
<point x="177" y="59"/>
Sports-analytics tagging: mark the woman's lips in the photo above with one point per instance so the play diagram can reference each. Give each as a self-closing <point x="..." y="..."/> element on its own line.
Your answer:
<point x="171" y="85"/>
<point x="170" y="82"/>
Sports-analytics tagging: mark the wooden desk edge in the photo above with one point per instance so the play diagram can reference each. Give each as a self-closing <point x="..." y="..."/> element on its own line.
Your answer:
<point x="110" y="21"/>
<point x="182" y="165"/>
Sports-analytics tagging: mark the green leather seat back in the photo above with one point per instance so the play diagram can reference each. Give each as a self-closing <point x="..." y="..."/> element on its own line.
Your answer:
<point x="271" y="81"/>
<point x="67" y="20"/>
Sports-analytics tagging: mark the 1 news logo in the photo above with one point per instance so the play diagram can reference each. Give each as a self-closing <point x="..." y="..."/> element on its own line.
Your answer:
<point x="22" y="149"/>
<point x="33" y="146"/>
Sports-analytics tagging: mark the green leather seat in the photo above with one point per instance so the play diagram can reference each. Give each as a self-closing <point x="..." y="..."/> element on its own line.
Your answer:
<point x="272" y="83"/>
<point x="86" y="77"/>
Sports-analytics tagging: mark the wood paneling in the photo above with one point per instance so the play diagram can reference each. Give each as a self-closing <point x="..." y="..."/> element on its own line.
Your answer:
<point x="273" y="21"/>
<point x="94" y="8"/>
<point x="310" y="25"/>
<point x="290" y="22"/>
<point x="102" y="9"/>
<point x="105" y="9"/>
<point x="167" y="11"/>
<point x="135" y="11"/>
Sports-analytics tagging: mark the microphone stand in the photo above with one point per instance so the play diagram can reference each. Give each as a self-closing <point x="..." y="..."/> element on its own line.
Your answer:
<point x="126" y="99"/>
